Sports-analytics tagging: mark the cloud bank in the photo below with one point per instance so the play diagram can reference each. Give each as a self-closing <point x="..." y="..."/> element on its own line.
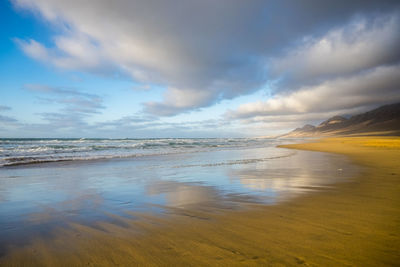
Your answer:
<point x="74" y="117"/>
<point x="205" y="51"/>
<point x="372" y="88"/>
<point x="349" y="69"/>
<point x="362" y="44"/>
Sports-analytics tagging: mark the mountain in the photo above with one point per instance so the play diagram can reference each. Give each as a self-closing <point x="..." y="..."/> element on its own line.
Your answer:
<point x="384" y="120"/>
<point x="306" y="130"/>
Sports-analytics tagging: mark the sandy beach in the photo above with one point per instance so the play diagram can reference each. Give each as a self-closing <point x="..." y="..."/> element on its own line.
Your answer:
<point x="199" y="133"/>
<point x="353" y="223"/>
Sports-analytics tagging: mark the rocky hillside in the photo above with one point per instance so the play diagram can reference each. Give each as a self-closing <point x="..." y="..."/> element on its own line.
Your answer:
<point x="384" y="120"/>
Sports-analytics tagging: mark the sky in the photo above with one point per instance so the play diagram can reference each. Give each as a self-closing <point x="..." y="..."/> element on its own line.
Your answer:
<point x="190" y="68"/>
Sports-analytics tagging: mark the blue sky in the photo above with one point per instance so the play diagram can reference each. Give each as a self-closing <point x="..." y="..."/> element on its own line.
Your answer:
<point x="191" y="68"/>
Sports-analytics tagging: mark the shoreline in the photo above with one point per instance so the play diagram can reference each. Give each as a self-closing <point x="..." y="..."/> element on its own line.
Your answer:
<point x="354" y="223"/>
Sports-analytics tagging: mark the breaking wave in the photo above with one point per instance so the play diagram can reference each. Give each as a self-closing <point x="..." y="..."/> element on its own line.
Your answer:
<point x="29" y="151"/>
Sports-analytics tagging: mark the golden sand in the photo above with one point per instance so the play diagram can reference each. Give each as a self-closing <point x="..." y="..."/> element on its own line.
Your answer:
<point x="354" y="223"/>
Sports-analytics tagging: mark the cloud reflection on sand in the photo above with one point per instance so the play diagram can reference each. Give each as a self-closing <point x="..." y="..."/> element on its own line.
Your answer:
<point x="303" y="173"/>
<point x="183" y="194"/>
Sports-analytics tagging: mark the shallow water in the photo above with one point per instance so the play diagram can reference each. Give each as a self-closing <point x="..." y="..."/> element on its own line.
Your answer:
<point x="35" y="198"/>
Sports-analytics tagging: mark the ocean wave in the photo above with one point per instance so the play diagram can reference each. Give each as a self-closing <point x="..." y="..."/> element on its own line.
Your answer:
<point x="27" y="151"/>
<point x="237" y="162"/>
<point x="35" y="160"/>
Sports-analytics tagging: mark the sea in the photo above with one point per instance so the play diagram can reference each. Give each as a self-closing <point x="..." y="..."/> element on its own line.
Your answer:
<point x="40" y="150"/>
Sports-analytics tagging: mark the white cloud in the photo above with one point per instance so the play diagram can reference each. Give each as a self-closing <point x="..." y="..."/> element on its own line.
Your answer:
<point x="71" y="53"/>
<point x="347" y="70"/>
<point x="360" y="45"/>
<point x="185" y="47"/>
<point x="202" y="51"/>
<point x="371" y="88"/>
<point x="178" y="100"/>
<point x="34" y="49"/>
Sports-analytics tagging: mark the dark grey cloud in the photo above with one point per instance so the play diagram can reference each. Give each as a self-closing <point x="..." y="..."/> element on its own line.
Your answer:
<point x="206" y="51"/>
<point x="4" y="108"/>
<point x="6" y="119"/>
<point x="7" y="122"/>
<point x="346" y="70"/>
<point x="363" y="44"/>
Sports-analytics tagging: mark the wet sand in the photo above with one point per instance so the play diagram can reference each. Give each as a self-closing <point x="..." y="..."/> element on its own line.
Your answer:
<point x="353" y="223"/>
